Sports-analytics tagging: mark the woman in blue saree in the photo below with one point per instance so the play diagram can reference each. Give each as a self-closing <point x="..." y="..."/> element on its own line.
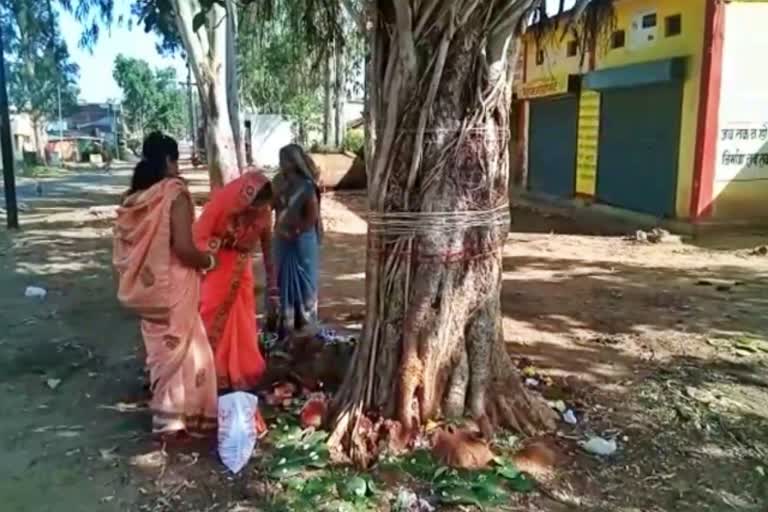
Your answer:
<point x="297" y="244"/>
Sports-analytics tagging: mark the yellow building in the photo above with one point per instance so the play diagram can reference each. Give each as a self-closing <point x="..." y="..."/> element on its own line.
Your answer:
<point x="667" y="115"/>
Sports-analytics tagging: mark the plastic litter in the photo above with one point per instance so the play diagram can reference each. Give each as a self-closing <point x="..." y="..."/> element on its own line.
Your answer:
<point x="409" y="501"/>
<point x="532" y="383"/>
<point x="35" y="292"/>
<point x="559" y="406"/>
<point x="237" y="429"/>
<point x="569" y="417"/>
<point x="330" y="337"/>
<point x="599" y="446"/>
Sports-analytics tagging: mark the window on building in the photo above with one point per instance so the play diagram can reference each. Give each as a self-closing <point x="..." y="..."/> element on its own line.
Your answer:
<point x="539" y="57"/>
<point x="572" y="49"/>
<point x="649" y="20"/>
<point x="673" y="25"/>
<point x="618" y="39"/>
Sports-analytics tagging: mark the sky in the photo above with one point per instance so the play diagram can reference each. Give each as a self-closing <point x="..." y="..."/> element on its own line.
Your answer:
<point x="96" y="82"/>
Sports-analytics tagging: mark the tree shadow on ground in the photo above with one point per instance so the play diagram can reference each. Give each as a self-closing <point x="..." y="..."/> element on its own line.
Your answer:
<point x="693" y="435"/>
<point x="635" y="341"/>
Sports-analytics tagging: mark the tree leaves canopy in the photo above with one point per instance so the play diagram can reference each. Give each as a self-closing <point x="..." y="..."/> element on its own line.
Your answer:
<point x="152" y="99"/>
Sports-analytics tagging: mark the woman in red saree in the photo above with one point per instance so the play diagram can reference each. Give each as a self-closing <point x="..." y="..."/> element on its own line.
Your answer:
<point x="237" y="218"/>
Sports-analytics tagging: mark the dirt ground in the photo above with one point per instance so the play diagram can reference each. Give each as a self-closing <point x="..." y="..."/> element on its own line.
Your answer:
<point x="663" y="347"/>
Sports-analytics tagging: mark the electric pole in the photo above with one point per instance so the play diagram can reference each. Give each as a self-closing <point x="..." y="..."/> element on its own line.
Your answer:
<point x="192" y="124"/>
<point x="6" y="145"/>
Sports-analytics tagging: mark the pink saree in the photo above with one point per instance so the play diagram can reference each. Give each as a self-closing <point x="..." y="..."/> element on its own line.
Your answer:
<point x="232" y="228"/>
<point x="165" y="295"/>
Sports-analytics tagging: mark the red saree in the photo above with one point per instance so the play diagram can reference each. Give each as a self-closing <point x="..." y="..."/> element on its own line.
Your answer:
<point x="232" y="228"/>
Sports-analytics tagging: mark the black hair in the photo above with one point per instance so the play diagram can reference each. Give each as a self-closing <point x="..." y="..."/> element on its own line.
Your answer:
<point x="152" y="167"/>
<point x="265" y="194"/>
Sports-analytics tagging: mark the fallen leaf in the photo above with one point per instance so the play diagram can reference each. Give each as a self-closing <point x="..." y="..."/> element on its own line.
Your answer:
<point x="53" y="383"/>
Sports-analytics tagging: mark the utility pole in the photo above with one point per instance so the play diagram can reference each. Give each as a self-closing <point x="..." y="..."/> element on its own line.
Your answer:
<point x="191" y="107"/>
<point x="6" y="145"/>
<point x="61" y="120"/>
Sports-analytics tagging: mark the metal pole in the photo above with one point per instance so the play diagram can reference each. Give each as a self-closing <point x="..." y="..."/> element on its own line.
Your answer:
<point x="192" y="134"/>
<point x="61" y="121"/>
<point x="6" y="145"/>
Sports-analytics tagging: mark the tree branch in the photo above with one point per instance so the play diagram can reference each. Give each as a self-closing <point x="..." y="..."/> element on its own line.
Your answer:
<point x="196" y="45"/>
<point x="405" y="39"/>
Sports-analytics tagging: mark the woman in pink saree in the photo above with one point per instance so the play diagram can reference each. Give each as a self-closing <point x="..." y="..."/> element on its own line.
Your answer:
<point x="235" y="221"/>
<point x="158" y="269"/>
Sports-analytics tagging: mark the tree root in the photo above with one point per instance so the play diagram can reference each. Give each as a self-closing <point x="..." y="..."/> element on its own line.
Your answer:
<point x="493" y="395"/>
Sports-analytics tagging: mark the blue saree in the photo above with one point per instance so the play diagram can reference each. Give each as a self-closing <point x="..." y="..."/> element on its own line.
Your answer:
<point x="297" y="260"/>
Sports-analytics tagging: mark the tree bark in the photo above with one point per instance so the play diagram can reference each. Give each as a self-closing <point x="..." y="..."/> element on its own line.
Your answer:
<point x="207" y="50"/>
<point x="339" y="93"/>
<point x="327" y="101"/>
<point x="432" y="344"/>
<point x="39" y="149"/>
<point x="233" y="85"/>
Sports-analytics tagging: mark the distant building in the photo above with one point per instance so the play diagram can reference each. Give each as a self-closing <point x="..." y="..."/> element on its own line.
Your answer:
<point x="23" y="136"/>
<point x="99" y="120"/>
<point x="666" y="116"/>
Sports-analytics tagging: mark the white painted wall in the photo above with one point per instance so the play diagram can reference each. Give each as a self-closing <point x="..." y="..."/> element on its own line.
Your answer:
<point x="269" y="133"/>
<point x="743" y="114"/>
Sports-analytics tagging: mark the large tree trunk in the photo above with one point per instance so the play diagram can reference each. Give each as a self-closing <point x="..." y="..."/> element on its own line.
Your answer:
<point x="209" y="51"/>
<point x="327" y="100"/>
<point x="339" y="93"/>
<point x="233" y="85"/>
<point x="432" y="343"/>
<point x="39" y="149"/>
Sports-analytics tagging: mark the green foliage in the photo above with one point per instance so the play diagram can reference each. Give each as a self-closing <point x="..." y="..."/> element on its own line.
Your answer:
<point x="152" y="99"/>
<point x="354" y="140"/>
<point x="276" y="72"/>
<point x="157" y="16"/>
<point x="463" y="487"/>
<point x="299" y="461"/>
<point x="283" y="54"/>
<point x="37" y="58"/>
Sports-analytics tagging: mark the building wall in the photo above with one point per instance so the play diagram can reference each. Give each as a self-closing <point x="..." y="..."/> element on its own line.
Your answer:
<point x="557" y="63"/>
<point x="688" y="44"/>
<point x="740" y="190"/>
<point x="269" y="132"/>
<point x="550" y="75"/>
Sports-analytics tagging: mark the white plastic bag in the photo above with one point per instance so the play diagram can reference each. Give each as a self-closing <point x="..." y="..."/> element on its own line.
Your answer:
<point x="237" y="429"/>
<point x="599" y="446"/>
<point x="35" y="292"/>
